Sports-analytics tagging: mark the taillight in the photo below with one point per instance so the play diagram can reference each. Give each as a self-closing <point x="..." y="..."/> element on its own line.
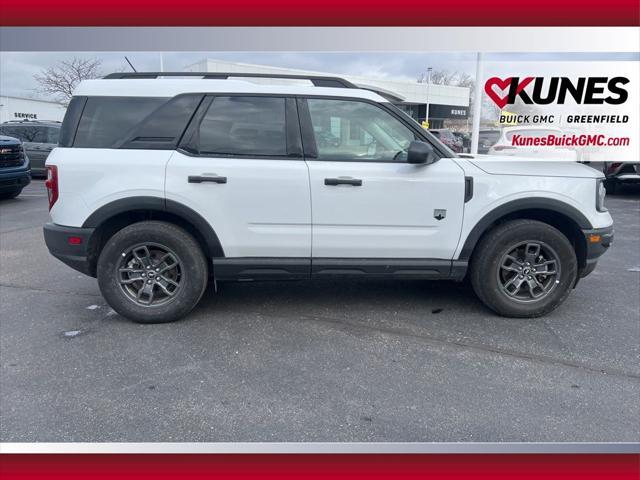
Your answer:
<point x="497" y="148"/>
<point x="52" y="184"/>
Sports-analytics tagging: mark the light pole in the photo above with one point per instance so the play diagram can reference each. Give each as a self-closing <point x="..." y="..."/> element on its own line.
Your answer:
<point x="477" y="106"/>
<point x="428" y="98"/>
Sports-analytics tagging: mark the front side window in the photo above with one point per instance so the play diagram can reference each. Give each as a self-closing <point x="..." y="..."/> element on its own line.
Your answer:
<point x="253" y="126"/>
<point x="357" y="131"/>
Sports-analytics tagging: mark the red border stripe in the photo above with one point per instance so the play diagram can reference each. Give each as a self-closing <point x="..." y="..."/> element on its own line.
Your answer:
<point x="288" y="466"/>
<point x="324" y="13"/>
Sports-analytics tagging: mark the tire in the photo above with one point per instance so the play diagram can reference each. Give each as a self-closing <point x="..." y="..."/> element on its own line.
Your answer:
<point x="138" y="278"/>
<point x="611" y="186"/>
<point x="9" y="195"/>
<point x="513" y="288"/>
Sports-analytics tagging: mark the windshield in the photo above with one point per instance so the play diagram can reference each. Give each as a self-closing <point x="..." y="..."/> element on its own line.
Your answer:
<point x="32" y="133"/>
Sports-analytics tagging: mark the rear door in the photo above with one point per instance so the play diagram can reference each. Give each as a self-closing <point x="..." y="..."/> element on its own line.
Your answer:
<point x="368" y="202"/>
<point x="240" y="166"/>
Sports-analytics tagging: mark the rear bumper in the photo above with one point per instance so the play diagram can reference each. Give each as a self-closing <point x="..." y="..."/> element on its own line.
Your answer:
<point x="75" y="255"/>
<point x="12" y="181"/>
<point x="598" y="241"/>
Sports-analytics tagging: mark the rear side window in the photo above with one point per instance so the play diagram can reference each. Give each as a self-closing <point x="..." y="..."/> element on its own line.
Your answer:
<point x="107" y="121"/>
<point x="252" y="126"/>
<point x="164" y="127"/>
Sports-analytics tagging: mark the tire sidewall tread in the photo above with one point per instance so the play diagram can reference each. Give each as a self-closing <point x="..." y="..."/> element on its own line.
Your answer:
<point x="488" y="254"/>
<point x="193" y="265"/>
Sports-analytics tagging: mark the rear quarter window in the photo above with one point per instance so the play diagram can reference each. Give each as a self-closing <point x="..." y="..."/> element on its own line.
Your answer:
<point x="107" y="121"/>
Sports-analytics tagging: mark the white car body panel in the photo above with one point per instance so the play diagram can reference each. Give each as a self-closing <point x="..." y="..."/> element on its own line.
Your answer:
<point x="95" y="177"/>
<point x="493" y="190"/>
<point x="264" y="209"/>
<point x="391" y="215"/>
<point x="538" y="168"/>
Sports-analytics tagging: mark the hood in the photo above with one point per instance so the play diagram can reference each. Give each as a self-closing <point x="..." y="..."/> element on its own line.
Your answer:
<point x="507" y="165"/>
<point x="9" y="140"/>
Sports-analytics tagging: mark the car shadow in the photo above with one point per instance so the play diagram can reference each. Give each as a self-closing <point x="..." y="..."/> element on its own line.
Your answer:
<point x="629" y="190"/>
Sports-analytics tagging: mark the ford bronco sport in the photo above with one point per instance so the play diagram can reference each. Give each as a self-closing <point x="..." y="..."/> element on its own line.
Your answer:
<point x="161" y="184"/>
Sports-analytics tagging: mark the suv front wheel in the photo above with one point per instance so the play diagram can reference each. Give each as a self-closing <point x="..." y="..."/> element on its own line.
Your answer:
<point x="523" y="268"/>
<point x="152" y="272"/>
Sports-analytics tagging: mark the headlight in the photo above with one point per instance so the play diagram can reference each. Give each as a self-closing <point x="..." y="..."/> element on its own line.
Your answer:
<point x="601" y="192"/>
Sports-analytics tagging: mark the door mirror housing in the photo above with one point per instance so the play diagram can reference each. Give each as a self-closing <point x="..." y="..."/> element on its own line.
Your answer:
<point x="421" y="153"/>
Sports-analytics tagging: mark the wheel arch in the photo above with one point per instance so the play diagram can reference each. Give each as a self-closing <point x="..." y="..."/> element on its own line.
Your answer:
<point x="113" y="216"/>
<point x="566" y="218"/>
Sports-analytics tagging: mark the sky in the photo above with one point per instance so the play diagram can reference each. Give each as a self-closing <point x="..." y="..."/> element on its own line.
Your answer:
<point x="17" y="69"/>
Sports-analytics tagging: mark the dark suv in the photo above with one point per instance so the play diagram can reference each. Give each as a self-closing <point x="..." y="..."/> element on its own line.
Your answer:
<point x="14" y="167"/>
<point x="39" y="137"/>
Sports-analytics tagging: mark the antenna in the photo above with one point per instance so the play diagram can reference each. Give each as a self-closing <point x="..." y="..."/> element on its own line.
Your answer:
<point x="130" y="64"/>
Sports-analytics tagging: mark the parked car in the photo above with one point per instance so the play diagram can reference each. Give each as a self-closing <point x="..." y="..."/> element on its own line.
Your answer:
<point x="15" y="173"/>
<point x="504" y="145"/>
<point x="176" y="200"/>
<point x="38" y="137"/>
<point x="447" y="137"/>
<point x="486" y="139"/>
<point x="465" y="139"/>
<point x="618" y="173"/>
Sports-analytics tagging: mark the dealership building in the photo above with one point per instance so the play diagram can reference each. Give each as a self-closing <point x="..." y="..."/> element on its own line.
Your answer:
<point x="448" y="105"/>
<point x="18" y="109"/>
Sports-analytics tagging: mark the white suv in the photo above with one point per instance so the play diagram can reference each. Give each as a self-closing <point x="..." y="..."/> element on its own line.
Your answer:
<point x="160" y="185"/>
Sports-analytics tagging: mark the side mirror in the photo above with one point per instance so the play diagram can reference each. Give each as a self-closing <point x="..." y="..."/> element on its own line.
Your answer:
<point x="421" y="152"/>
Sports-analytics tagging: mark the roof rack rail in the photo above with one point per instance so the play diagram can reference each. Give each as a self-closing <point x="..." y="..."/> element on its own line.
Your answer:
<point x="316" y="80"/>
<point x="30" y="120"/>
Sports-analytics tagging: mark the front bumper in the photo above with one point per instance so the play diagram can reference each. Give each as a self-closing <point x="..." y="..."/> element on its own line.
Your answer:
<point x="71" y="245"/>
<point x="12" y="181"/>
<point x="598" y="241"/>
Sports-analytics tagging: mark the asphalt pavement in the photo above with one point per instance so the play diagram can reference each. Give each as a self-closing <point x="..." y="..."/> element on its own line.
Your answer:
<point x="315" y="361"/>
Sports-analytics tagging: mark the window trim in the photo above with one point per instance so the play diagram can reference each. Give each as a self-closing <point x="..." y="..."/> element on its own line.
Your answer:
<point x="293" y="145"/>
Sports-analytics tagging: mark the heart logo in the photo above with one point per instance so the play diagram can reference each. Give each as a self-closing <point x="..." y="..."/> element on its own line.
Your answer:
<point x="503" y="85"/>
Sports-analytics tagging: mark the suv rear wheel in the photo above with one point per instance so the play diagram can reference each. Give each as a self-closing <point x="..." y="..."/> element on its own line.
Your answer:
<point x="152" y="272"/>
<point x="523" y="268"/>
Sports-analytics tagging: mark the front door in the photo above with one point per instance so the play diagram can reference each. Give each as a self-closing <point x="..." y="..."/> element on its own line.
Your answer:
<point x="367" y="201"/>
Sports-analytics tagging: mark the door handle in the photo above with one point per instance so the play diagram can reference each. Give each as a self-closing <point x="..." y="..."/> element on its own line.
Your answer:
<point x="355" y="182"/>
<point x="207" y="178"/>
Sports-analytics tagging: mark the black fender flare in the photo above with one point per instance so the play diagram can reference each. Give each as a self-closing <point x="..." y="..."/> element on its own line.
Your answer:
<point x="534" y="203"/>
<point x="158" y="204"/>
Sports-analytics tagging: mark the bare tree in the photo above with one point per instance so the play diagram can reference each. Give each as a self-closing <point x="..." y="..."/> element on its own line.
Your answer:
<point x="60" y="80"/>
<point x="445" y="77"/>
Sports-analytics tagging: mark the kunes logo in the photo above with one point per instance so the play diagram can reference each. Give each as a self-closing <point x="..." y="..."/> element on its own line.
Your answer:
<point x="545" y="91"/>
